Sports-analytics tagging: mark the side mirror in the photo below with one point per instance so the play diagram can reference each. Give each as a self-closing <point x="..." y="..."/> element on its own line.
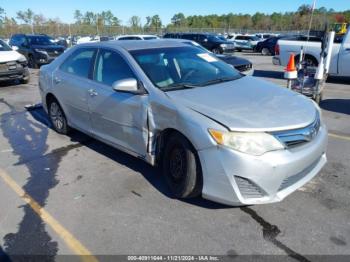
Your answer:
<point x="128" y="85"/>
<point x="14" y="48"/>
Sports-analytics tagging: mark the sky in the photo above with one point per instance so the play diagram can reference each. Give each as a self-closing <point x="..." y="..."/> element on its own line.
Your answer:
<point x="124" y="9"/>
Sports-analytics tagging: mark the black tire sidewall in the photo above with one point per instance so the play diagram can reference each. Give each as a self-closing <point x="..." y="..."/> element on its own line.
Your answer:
<point x="65" y="129"/>
<point x="191" y="183"/>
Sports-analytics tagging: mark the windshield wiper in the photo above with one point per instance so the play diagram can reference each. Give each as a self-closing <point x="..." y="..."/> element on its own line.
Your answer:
<point x="218" y="80"/>
<point x="178" y="86"/>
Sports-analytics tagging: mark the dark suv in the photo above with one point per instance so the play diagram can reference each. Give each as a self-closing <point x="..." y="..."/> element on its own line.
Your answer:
<point x="38" y="49"/>
<point x="214" y="43"/>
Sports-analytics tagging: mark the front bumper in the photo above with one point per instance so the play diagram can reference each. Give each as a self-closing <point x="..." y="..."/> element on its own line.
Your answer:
<point x="235" y="178"/>
<point x="17" y="71"/>
<point x="276" y="60"/>
<point x="44" y="58"/>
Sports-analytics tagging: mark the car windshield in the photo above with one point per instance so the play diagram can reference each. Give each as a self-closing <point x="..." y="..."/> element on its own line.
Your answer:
<point x="221" y="38"/>
<point x="217" y="38"/>
<point x="4" y="46"/>
<point x="40" y="40"/>
<point x="176" y="68"/>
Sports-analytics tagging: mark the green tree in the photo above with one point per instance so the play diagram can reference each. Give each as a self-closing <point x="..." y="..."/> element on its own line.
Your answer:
<point x="26" y="16"/>
<point x="135" y="21"/>
<point x="179" y="20"/>
<point x="78" y="16"/>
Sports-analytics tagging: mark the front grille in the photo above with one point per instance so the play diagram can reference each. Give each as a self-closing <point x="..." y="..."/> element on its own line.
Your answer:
<point x="8" y="66"/>
<point x="248" y="189"/>
<point x="289" y="181"/>
<point x="297" y="137"/>
<point x="242" y="68"/>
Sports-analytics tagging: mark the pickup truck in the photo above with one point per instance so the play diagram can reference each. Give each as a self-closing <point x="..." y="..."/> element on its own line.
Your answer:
<point x="340" y="59"/>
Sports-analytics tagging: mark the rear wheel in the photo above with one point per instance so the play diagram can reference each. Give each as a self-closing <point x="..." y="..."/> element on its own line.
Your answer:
<point x="265" y="51"/>
<point x="57" y="117"/>
<point x="181" y="167"/>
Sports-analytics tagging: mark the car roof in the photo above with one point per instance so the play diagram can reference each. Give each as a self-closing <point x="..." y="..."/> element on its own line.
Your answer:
<point x="137" y="36"/>
<point x="130" y="45"/>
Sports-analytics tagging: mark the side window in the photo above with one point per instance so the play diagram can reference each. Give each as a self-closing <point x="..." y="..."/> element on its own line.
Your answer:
<point x="111" y="67"/>
<point x="79" y="62"/>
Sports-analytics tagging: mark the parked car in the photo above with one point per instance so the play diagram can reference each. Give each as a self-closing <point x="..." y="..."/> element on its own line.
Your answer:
<point x="215" y="43"/>
<point x="245" y="42"/>
<point x="264" y="36"/>
<point x="137" y="37"/>
<point x="13" y="65"/>
<point x="88" y="39"/>
<point x="232" y="139"/>
<point x="241" y="64"/>
<point x="267" y="47"/>
<point x="38" y="49"/>
<point x="340" y="61"/>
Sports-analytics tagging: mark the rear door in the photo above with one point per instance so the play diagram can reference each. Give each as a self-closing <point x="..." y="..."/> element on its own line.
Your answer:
<point x="118" y="118"/>
<point x="72" y="87"/>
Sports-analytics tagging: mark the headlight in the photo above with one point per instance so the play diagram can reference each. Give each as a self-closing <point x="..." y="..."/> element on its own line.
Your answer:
<point x="22" y="59"/>
<point x="41" y="51"/>
<point x="223" y="45"/>
<point x="252" y="143"/>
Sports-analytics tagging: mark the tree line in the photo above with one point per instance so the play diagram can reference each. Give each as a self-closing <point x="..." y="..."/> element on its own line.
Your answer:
<point x="106" y="22"/>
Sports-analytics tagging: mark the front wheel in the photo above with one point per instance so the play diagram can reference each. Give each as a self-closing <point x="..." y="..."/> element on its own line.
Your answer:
<point x="181" y="168"/>
<point x="32" y="63"/>
<point x="217" y="51"/>
<point x="58" y="118"/>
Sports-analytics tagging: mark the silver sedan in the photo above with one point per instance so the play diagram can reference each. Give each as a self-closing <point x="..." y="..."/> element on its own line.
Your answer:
<point x="231" y="138"/>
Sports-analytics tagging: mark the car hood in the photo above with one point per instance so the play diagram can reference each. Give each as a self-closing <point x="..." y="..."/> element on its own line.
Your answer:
<point x="249" y="104"/>
<point x="6" y="56"/>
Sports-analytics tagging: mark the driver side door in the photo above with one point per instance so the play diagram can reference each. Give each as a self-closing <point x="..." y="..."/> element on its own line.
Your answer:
<point x="118" y="118"/>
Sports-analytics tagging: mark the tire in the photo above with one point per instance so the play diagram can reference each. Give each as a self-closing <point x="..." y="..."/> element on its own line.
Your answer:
<point x="57" y="117"/>
<point x="31" y="62"/>
<point x="25" y="80"/>
<point x="181" y="167"/>
<point x="309" y="60"/>
<point x="217" y="51"/>
<point x="265" y="51"/>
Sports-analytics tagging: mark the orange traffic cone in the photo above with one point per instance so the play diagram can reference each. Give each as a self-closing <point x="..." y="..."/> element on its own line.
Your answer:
<point x="291" y="64"/>
<point x="290" y="71"/>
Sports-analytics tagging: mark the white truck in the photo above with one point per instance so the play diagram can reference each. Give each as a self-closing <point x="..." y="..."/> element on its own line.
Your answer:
<point x="340" y="59"/>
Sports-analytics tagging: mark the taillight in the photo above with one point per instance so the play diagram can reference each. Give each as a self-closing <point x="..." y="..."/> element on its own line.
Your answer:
<point x="277" y="49"/>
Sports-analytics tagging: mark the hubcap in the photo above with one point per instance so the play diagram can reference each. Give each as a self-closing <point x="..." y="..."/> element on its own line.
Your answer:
<point x="56" y="116"/>
<point x="177" y="163"/>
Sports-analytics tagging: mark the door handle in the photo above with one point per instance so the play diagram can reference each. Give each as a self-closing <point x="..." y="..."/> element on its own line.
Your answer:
<point x="56" y="80"/>
<point x="347" y="49"/>
<point x="92" y="92"/>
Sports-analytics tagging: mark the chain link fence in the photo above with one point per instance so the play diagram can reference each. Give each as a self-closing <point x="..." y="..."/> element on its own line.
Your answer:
<point x="56" y="29"/>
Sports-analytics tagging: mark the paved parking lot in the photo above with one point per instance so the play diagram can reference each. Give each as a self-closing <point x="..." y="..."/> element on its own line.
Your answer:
<point x="68" y="195"/>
